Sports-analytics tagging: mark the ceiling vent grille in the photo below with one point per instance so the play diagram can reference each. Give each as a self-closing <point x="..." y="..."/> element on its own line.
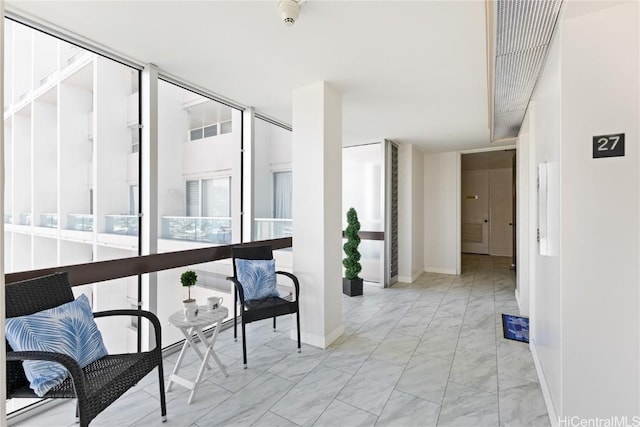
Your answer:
<point x="523" y="33"/>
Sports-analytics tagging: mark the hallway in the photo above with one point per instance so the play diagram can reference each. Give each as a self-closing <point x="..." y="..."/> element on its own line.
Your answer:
<point x="422" y="354"/>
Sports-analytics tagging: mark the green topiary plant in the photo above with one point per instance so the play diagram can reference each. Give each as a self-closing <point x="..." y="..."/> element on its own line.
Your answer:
<point x="352" y="261"/>
<point x="188" y="279"/>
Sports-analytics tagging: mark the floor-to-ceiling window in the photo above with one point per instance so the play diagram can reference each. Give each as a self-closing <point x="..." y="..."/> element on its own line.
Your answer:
<point x="72" y="166"/>
<point x="273" y="184"/>
<point x="199" y="156"/>
<point x="71" y="128"/>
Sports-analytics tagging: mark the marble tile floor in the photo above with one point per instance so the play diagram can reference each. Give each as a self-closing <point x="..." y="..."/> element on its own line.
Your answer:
<point x="430" y="353"/>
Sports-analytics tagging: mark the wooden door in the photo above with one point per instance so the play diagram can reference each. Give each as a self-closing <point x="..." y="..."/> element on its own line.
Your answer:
<point x="475" y="211"/>
<point x="501" y="212"/>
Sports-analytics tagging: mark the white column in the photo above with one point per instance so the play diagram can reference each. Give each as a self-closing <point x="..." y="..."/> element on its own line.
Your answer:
<point x="317" y="211"/>
<point x="149" y="187"/>
<point x="3" y="355"/>
<point x="248" y="138"/>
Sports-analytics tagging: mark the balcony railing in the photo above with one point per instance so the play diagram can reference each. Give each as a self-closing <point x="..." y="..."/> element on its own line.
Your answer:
<point x="273" y="228"/>
<point x="81" y="222"/>
<point x="25" y="218"/>
<point x="198" y="229"/>
<point x="122" y="224"/>
<point x="49" y="220"/>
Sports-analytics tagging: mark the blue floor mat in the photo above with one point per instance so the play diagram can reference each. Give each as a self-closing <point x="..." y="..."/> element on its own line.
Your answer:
<point x="515" y="327"/>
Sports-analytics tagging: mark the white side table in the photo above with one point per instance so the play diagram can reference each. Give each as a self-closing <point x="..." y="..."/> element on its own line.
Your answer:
<point x="188" y="329"/>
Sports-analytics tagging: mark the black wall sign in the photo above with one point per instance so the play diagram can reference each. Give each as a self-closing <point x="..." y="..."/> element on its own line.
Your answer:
<point x="608" y="145"/>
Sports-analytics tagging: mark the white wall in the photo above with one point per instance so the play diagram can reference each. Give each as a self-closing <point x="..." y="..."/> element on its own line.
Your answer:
<point x="417" y="212"/>
<point x="584" y="296"/>
<point x="272" y="153"/>
<point x="207" y="156"/>
<point x="172" y="122"/>
<point x="75" y="149"/>
<point x="546" y="309"/>
<point x="600" y="273"/>
<point x="410" y="213"/>
<point x="525" y="179"/>
<point x="441" y="225"/>
<point x="112" y="140"/>
<point x="263" y="180"/>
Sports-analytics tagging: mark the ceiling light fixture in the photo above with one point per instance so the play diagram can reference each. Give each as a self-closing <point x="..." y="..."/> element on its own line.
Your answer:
<point x="289" y="11"/>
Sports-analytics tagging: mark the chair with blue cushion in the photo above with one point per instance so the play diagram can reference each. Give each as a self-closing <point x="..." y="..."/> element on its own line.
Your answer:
<point x="254" y="277"/>
<point x="46" y="324"/>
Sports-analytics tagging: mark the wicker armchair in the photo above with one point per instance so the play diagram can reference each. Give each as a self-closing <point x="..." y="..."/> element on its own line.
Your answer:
<point x="96" y="385"/>
<point x="265" y="308"/>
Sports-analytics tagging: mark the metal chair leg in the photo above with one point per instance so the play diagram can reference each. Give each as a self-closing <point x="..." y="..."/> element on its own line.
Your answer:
<point x="235" y="316"/>
<point x="274" y="323"/>
<point x="244" y="346"/>
<point x="163" y="402"/>
<point x="298" y="324"/>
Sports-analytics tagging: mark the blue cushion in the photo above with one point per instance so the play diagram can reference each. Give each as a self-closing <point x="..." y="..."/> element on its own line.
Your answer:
<point x="68" y="329"/>
<point x="258" y="278"/>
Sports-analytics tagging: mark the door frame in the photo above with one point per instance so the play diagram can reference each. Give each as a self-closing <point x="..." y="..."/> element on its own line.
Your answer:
<point x="459" y="195"/>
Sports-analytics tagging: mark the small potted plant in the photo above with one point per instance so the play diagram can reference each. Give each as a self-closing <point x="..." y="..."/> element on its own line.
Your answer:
<point x="351" y="283"/>
<point x="189" y="279"/>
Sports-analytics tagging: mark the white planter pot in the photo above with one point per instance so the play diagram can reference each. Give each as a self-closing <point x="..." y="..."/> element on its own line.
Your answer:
<point x="190" y="311"/>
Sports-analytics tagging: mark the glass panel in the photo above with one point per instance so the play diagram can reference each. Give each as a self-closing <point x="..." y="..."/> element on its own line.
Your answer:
<point x="198" y="194"/>
<point x="134" y="199"/>
<point x="226" y="127"/>
<point x="193" y="198"/>
<point x="210" y="131"/>
<point x="49" y="220"/>
<point x="195" y="134"/>
<point x="56" y="155"/>
<point x="362" y="189"/>
<point x="122" y="224"/>
<point x="216" y="197"/>
<point x="273" y="184"/>
<point x="282" y="194"/>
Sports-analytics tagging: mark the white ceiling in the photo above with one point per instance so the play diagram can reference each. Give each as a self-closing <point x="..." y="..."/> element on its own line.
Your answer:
<point x="411" y="71"/>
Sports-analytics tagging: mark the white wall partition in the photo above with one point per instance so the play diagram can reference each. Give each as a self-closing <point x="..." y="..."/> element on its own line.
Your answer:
<point x="410" y="213"/>
<point x="585" y="323"/>
<point x="441" y="202"/>
<point x="525" y="182"/>
<point x="546" y="297"/>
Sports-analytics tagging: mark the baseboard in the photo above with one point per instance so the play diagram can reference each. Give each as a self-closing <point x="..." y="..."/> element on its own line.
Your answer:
<point x="440" y="270"/>
<point x="413" y="278"/>
<point x="551" y="410"/>
<point x="318" y="340"/>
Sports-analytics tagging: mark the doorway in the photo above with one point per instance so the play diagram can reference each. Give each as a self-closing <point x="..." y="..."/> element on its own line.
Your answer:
<point x="488" y="201"/>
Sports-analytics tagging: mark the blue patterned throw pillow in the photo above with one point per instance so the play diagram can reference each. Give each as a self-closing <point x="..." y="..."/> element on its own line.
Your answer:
<point x="68" y="329"/>
<point x="258" y="278"/>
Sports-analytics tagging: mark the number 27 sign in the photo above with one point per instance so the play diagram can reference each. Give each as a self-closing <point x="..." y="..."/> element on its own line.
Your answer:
<point x="608" y="145"/>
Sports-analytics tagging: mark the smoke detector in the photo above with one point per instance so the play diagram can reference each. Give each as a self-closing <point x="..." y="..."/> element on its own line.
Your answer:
<point x="289" y="11"/>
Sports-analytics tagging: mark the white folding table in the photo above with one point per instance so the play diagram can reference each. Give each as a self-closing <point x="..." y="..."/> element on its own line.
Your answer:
<point x="191" y="329"/>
